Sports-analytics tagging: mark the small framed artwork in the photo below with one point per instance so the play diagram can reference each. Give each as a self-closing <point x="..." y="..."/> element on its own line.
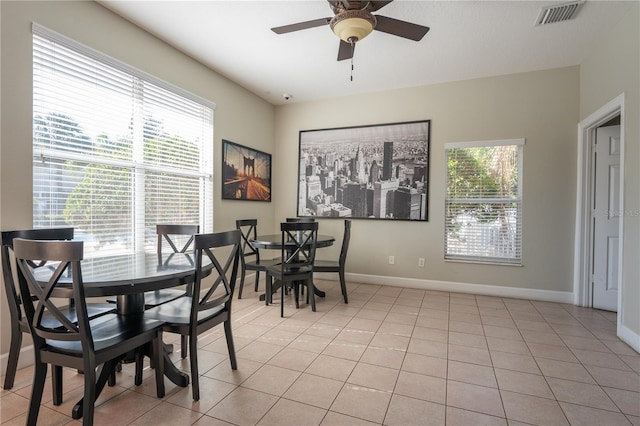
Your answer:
<point x="365" y="172"/>
<point x="246" y="173"/>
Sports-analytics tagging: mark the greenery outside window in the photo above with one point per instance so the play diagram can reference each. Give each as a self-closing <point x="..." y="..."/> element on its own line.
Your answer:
<point x="115" y="151"/>
<point x="483" y="216"/>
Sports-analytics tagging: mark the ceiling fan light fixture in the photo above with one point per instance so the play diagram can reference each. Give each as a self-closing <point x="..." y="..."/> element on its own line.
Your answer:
<point x="353" y="25"/>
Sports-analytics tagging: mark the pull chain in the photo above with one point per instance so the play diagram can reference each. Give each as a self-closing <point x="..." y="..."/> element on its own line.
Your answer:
<point x="353" y="44"/>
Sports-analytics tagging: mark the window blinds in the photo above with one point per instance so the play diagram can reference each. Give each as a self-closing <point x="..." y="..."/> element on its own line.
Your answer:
<point x="115" y="151"/>
<point x="483" y="216"/>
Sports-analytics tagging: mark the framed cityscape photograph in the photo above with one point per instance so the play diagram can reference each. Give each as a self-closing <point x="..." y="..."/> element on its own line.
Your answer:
<point x="365" y="172"/>
<point x="246" y="173"/>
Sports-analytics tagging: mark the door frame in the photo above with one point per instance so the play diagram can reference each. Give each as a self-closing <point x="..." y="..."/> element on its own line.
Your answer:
<point x="583" y="247"/>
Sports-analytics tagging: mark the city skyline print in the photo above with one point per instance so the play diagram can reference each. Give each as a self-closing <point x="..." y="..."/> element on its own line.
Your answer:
<point x="366" y="172"/>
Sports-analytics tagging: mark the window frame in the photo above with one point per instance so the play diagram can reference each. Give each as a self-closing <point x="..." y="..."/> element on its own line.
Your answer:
<point x="518" y="200"/>
<point x="135" y="164"/>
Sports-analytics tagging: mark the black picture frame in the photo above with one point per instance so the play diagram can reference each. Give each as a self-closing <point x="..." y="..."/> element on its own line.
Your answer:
<point x="246" y="173"/>
<point x="378" y="171"/>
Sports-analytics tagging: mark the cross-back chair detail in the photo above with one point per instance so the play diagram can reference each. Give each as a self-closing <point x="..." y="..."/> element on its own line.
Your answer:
<point x="338" y="266"/>
<point x="18" y="319"/>
<point x="84" y="344"/>
<point x="298" y="250"/>
<point x="250" y="256"/>
<point x="165" y="233"/>
<point x="209" y="303"/>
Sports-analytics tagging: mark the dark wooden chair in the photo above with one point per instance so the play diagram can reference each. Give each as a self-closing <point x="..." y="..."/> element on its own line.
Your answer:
<point x="250" y="256"/>
<point x="210" y="301"/>
<point x="298" y="251"/>
<point x="168" y="234"/>
<point x="18" y="319"/>
<point x="85" y="344"/>
<point x="339" y="265"/>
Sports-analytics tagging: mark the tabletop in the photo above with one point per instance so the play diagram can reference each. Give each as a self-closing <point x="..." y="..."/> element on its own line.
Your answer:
<point x="274" y="241"/>
<point x="134" y="273"/>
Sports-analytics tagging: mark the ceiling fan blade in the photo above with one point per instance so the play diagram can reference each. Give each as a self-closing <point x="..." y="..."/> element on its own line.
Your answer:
<point x="345" y="50"/>
<point x="400" y="28"/>
<point x="301" y="26"/>
<point x="377" y="5"/>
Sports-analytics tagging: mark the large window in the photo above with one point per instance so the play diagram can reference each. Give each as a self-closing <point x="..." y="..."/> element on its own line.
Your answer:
<point x="483" y="218"/>
<point x="115" y="151"/>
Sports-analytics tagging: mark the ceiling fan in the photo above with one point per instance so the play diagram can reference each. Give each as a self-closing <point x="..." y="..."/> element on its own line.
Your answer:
<point x="353" y="21"/>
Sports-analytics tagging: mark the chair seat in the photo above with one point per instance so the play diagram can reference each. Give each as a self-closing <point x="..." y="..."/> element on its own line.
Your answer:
<point x="326" y="265"/>
<point x="158" y="297"/>
<point x="263" y="265"/>
<point x="109" y="330"/>
<point x="290" y="273"/>
<point x="94" y="310"/>
<point x="179" y="311"/>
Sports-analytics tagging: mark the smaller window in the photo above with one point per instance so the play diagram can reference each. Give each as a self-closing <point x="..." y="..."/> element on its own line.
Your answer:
<point x="483" y="217"/>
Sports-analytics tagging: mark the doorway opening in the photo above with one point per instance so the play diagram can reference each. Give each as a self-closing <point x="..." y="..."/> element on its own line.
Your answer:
<point x="587" y="254"/>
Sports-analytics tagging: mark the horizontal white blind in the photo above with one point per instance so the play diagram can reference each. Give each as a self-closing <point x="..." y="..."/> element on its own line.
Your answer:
<point x="483" y="217"/>
<point x="115" y="153"/>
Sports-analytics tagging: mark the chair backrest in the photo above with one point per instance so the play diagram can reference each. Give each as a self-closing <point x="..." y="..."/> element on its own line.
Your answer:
<point x="167" y="233"/>
<point x="46" y="320"/>
<point x="248" y="230"/>
<point x="13" y="296"/>
<point x="345" y="242"/>
<point x="298" y="244"/>
<point x="301" y="219"/>
<point x="219" y="293"/>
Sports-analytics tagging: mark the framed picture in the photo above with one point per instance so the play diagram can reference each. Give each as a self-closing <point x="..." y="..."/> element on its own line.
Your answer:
<point x="246" y="173"/>
<point x="365" y="172"/>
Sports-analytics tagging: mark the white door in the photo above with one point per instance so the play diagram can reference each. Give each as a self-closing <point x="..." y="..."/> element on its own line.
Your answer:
<point x="606" y="214"/>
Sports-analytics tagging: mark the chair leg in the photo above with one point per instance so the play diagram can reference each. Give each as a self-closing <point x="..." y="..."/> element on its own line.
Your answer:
<point x="311" y="295"/>
<point x="139" y="360"/>
<point x="89" y="399"/>
<point x="268" y="290"/>
<point x="112" y="375"/>
<point x="39" y="377"/>
<point x="343" y="284"/>
<point x="230" y="346"/>
<point x="193" y="360"/>
<point x="257" y="281"/>
<point x="56" y="383"/>
<point x="158" y="361"/>
<point x="284" y="285"/>
<point x="244" y="271"/>
<point x="92" y="388"/>
<point x="14" y="352"/>
<point x="184" y="342"/>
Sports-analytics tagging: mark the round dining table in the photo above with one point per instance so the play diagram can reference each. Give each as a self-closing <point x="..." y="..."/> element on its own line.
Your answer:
<point x="129" y="276"/>
<point x="274" y="242"/>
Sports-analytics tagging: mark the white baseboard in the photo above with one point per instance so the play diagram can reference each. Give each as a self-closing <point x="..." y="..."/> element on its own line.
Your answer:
<point x="482" y="289"/>
<point x="25" y="359"/>
<point x="629" y="337"/>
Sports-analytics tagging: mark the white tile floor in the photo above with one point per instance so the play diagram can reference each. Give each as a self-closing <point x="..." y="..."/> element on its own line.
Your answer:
<point x="393" y="356"/>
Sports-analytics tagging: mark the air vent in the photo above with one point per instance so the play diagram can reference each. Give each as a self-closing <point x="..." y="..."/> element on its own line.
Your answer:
<point x="558" y="13"/>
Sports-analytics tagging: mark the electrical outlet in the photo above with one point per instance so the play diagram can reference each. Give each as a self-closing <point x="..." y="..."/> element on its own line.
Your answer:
<point x="421" y="262"/>
<point x="392" y="260"/>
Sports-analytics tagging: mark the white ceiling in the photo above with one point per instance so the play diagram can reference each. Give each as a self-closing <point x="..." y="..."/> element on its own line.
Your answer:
<point x="468" y="39"/>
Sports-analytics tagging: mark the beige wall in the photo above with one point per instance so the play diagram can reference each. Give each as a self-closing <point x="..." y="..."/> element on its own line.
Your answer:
<point x="541" y="107"/>
<point x="612" y="68"/>
<point x="240" y="116"/>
